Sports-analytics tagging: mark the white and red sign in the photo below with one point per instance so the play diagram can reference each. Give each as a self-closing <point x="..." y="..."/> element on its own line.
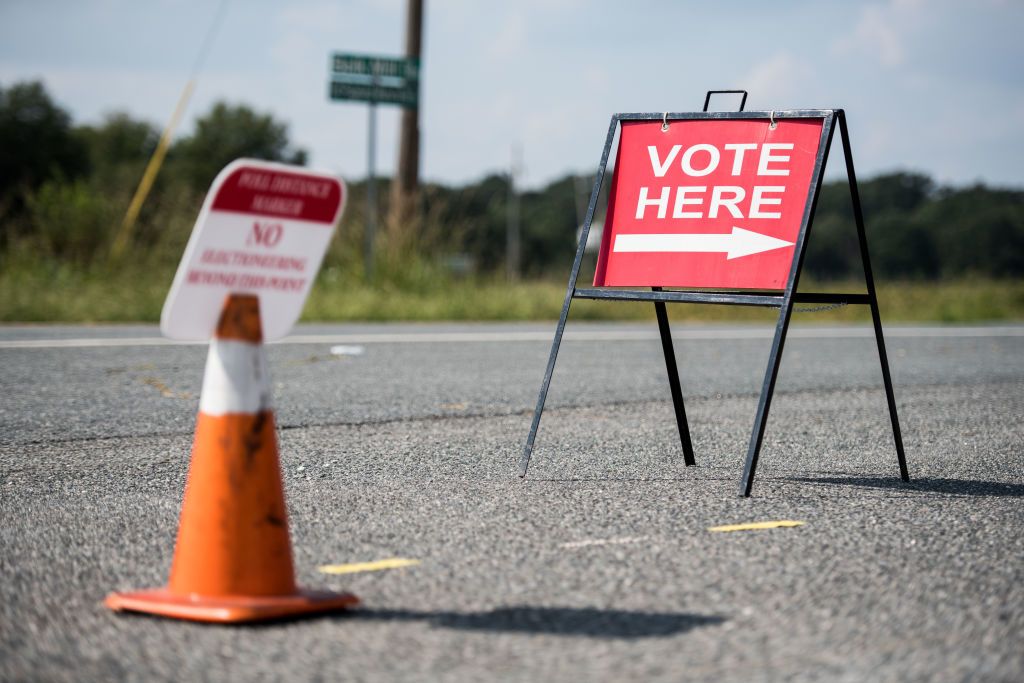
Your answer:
<point x="263" y="229"/>
<point x="707" y="203"/>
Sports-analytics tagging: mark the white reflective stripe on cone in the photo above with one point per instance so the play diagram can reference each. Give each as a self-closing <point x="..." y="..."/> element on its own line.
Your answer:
<point x="236" y="379"/>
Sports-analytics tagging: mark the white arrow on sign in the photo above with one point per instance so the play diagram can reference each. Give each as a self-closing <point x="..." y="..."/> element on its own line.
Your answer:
<point x="738" y="243"/>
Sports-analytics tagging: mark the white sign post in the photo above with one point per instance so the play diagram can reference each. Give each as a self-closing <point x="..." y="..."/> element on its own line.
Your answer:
<point x="263" y="229"/>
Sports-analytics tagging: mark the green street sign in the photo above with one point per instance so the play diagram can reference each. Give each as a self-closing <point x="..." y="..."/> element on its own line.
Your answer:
<point x="374" y="79"/>
<point x="406" y="96"/>
<point x="370" y="66"/>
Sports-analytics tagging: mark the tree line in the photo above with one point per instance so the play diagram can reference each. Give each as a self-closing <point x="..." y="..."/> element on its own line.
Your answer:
<point x="64" y="189"/>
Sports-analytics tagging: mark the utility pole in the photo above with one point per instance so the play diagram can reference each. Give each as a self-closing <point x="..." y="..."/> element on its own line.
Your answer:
<point x="404" y="188"/>
<point x="513" y="242"/>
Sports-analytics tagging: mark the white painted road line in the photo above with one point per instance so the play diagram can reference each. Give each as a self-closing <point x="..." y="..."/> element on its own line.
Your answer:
<point x="484" y="337"/>
<point x="98" y="342"/>
<point x="603" y="541"/>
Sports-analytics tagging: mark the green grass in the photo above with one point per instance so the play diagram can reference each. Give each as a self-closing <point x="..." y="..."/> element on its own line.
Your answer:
<point x="42" y="292"/>
<point x="952" y="302"/>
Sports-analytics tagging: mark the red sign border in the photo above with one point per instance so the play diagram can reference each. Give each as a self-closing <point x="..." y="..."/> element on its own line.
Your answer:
<point x="821" y="155"/>
<point x="684" y="271"/>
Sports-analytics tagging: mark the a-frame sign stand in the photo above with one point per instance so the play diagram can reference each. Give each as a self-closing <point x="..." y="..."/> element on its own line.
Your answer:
<point x="784" y="300"/>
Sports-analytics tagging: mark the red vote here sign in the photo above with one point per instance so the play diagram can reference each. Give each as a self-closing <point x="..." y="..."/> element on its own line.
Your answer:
<point x="707" y="203"/>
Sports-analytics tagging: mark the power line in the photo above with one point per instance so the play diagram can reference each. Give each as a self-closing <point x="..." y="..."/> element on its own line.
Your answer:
<point x="157" y="159"/>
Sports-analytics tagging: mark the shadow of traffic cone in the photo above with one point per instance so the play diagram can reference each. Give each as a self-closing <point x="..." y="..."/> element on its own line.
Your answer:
<point x="233" y="558"/>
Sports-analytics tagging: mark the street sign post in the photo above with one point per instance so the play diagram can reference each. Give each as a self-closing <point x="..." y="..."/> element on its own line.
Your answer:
<point x="722" y="201"/>
<point x="373" y="79"/>
<point x="263" y="229"/>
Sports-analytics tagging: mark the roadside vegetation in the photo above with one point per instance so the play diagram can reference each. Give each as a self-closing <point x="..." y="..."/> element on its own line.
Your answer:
<point x="952" y="254"/>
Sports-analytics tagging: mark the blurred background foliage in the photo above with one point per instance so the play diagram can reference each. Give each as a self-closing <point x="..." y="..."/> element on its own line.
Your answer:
<point x="64" y="189"/>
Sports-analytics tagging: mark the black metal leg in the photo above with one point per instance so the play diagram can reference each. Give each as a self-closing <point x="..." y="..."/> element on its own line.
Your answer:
<point x="887" y="380"/>
<point x="673" y="382"/>
<point x="869" y="279"/>
<point x="524" y="462"/>
<point x="785" y="313"/>
<point x="765" y="401"/>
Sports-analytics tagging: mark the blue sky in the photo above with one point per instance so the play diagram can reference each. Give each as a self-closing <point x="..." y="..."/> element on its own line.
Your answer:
<point x="929" y="85"/>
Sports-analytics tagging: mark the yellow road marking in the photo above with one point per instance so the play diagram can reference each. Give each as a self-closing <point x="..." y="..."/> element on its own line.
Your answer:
<point x="390" y="563"/>
<point x="754" y="526"/>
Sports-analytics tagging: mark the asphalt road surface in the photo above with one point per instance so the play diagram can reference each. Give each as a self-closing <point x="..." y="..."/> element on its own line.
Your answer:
<point x="598" y="566"/>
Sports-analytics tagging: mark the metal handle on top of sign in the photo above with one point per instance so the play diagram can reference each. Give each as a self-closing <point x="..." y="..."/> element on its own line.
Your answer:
<point x="743" y="100"/>
<point x="784" y="300"/>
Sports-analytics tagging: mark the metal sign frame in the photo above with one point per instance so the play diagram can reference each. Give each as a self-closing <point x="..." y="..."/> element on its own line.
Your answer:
<point x="784" y="300"/>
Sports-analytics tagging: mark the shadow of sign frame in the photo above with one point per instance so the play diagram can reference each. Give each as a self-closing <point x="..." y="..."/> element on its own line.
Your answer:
<point x="583" y="622"/>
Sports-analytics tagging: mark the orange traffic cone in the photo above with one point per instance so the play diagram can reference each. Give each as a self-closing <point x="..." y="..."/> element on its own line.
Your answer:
<point x="233" y="558"/>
